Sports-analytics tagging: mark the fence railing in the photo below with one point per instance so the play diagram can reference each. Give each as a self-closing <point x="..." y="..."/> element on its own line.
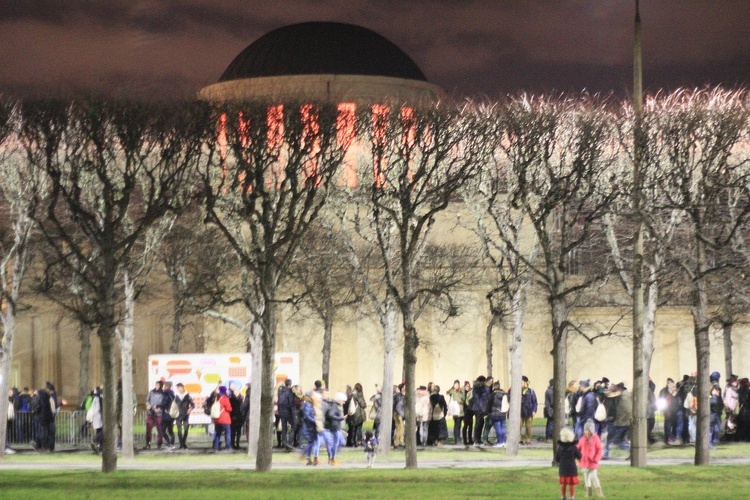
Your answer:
<point x="72" y="430"/>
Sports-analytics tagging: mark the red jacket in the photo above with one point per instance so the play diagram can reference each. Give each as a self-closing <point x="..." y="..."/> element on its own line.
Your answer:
<point x="591" y="451"/>
<point x="226" y="411"/>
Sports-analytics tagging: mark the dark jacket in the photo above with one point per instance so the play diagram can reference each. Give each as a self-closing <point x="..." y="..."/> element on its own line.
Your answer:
<point x="566" y="456"/>
<point x="438" y="400"/>
<point x="40" y="407"/>
<point x="528" y="402"/>
<point x="166" y="404"/>
<point x="481" y="394"/>
<point x="286" y="403"/>
<point x="236" y="402"/>
<point x="399" y="404"/>
<point x="549" y="402"/>
<point x="588" y="406"/>
<point x="495" y="405"/>
<point x="334" y="417"/>
<point x="184" y="403"/>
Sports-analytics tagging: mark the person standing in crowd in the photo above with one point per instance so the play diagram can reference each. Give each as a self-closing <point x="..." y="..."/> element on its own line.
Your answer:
<point x="185" y="406"/>
<point x="489" y="382"/>
<point x="246" y="410"/>
<point x="356" y="414"/>
<point x="399" y="412"/>
<point x="731" y="407"/>
<point x="97" y="422"/>
<point x="235" y="401"/>
<point x="25" y="424"/>
<point x="457" y="399"/>
<point x="549" y="411"/>
<point x="167" y="422"/>
<point x="43" y="419"/>
<point x="590" y="447"/>
<point x="153" y="415"/>
<point x="651" y="412"/>
<point x="587" y="404"/>
<point x="423" y="412"/>
<point x="691" y="407"/>
<point x="222" y="419"/>
<point x="497" y="409"/>
<point x="333" y="418"/>
<point x="623" y="416"/>
<point x="437" y="430"/>
<point x="566" y="456"/>
<point x="308" y="430"/>
<point x="54" y="407"/>
<point x="376" y="404"/>
<point x="743" y="416"/>
<point x="668" y="396"/>
<point x="716" y="408"/>
<point x="10" y="420"/>
<point x="571" y="398"/>
<point x="467" y="433"/>
<point x="287" y="408"/>
<point x="529" y="408"/>
<point x="480" y="394"/>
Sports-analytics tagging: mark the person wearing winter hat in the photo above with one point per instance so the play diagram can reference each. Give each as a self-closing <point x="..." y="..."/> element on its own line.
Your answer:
<point x="566" y="455"/>
<point x="222" y="418"/>
<point x="591" y="450"/>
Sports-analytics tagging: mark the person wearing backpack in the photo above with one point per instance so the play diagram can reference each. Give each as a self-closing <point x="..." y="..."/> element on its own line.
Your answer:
<point x="586" y="407"/>
<point x="332" y="424"/>
<point x="423" y="412"/>
<point x="167" y="421"/>
<point x="497" y="410"/>
<point x="691" y="407"/>
<point x="528" y="410"/>
<point x="480" y="394"/>
<point x="185" y="405"/>
<point x="437" y="429"/>
<point x="356" y="414"/>
<point x="221" y="411"/>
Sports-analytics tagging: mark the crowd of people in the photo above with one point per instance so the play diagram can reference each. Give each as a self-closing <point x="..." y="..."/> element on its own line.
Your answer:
<point x="43" y="404"/>
<point x="309" y="420"/>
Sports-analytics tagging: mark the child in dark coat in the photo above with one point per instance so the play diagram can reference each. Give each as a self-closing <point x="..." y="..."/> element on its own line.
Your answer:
<point x="566" y="456"/>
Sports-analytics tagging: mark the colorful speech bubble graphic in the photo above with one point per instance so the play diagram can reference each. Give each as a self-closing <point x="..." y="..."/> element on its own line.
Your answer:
<point x="208" y="362"/>
<point x="193" y="388"/>
<point x="238" y="371"/>
<point x="235" y="360"/>
<point x="286" y="360"/>
<point x="179" y="366"/>
<point x="212" y="378"/>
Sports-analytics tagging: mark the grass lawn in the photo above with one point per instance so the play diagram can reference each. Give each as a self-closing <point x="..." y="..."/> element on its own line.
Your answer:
<point x="530" y="482"/>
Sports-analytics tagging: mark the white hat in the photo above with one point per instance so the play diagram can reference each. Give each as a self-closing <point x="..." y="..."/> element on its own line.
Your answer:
<point x="340" y="396"/>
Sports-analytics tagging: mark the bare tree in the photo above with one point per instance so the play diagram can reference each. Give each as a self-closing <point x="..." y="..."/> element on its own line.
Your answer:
<point x="263" y="196"/>
<point x="20" y="188"/>
<point x="419" y="159"/>
<point x="114" y="169"/>
<point x="323" y="277"/>
<point x="702" y="169"/>
<point x="557" y="153"/>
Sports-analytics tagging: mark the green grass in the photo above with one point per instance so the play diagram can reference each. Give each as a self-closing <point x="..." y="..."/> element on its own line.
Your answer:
<point x="530" y="482"/>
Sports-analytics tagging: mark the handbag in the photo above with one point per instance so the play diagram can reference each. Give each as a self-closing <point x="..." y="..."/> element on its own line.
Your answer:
<point x="90" y="414"/>
<point x="601" y="413"/>
<point x="11" y="411"/>
<point x="454" y="409"/>
<point x="373" y="413"/>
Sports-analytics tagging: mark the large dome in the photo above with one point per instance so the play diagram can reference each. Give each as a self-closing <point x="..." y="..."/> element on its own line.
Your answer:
<point x="317" y="48"/>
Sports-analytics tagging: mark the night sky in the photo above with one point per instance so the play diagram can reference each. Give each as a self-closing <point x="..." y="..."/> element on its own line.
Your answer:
<point x="172" y="48"/>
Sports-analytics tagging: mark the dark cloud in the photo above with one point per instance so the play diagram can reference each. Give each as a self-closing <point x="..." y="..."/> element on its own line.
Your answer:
<point x="487" y="47"/>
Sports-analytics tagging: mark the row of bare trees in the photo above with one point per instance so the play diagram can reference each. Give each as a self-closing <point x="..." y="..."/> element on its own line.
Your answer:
<point x="246" y="209"/>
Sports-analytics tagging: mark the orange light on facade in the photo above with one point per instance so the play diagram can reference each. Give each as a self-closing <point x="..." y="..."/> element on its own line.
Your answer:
<point x="311" y="141"/>
<point x="379" y="127"/>
<point x="345" y="136"/>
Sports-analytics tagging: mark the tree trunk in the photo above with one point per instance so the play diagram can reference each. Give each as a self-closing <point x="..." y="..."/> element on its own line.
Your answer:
<point x="174" y="347"/>
<point x="703" y="357"/>
<point x="488" y="343"/>
<point x="516" y="371"/>
<point x="109" y="356"/>
<point x="410" y="366"/>
<point x="327" y="336"/>
<point x="639" y="424"/>
<point x="84" y="335"/>
<point x="727" y="336"/>
<point x="6" y="360"/>
<point x="389" y="358"/>
<point x="264" y="457"/>
<point x="256" y="348"/>
<point x="127" y="339"/>
<point x="560" y="371"/>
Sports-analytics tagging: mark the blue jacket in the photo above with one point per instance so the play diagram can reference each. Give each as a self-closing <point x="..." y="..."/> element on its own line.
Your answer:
<point x="588" y="406"/>
<point x="309" y="431"/>
<point x="481" y="394"/>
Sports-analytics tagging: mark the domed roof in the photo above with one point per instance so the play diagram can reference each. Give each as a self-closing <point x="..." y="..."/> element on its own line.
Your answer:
<point x="322" y="48"/>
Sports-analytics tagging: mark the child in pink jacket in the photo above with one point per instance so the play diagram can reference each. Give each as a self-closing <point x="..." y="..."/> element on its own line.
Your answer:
<point x="590" y="447"/>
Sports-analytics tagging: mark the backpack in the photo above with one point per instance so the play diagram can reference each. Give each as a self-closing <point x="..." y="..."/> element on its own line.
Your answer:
<point x="601" y="412"/>
<point x="216" y="409"/>
<point x="174" y="410"/>
<point x="437" y="412"/>
<point x="208" y="403"/>
<point x="579" y="404"/>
